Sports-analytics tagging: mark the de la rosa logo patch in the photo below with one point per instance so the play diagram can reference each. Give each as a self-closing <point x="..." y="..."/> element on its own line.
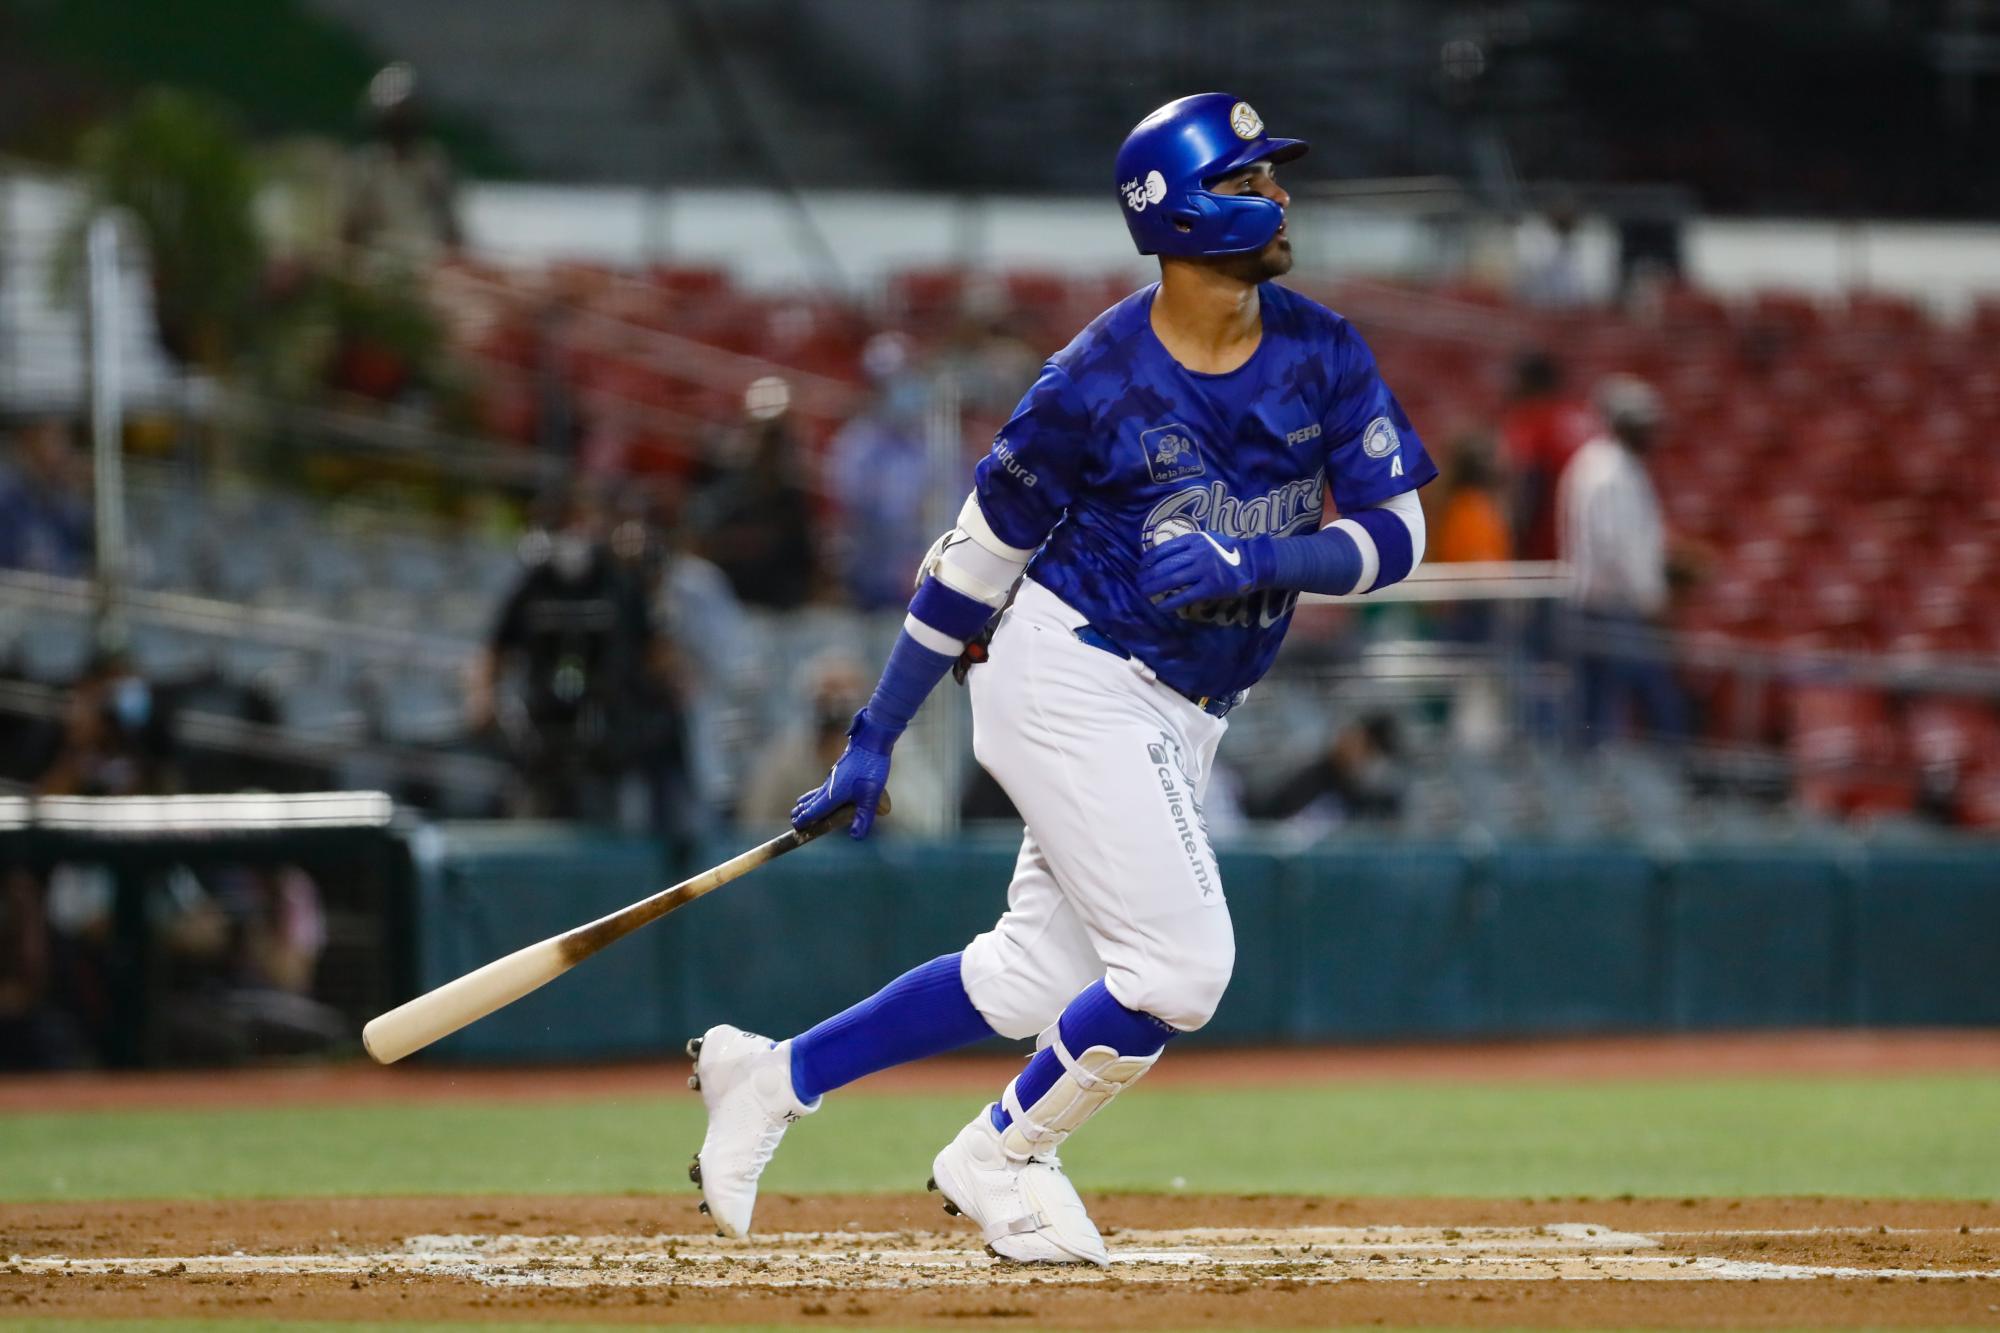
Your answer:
<point x="1171" y="453"/>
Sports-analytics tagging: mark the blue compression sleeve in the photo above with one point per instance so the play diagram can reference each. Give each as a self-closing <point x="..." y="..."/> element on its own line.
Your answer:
<point x="923" y="1012"/>
<point x="913" y="670"/>
<point x="911" y="673"/>
<point x="1094" y="1018"/>
<point x="1395" y="555"/>
<point x="1326" y="561"/>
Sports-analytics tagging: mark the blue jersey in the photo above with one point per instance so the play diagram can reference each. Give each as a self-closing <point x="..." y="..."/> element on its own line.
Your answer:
<point x="1117" y="448"/>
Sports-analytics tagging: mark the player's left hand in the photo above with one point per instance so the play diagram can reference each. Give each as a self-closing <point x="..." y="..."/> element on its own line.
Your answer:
<point x="1201" y="567"/>
<point x="858" y="776"/>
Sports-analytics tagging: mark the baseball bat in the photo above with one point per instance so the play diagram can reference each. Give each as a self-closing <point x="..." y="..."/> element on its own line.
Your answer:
<point x="436" y="1014"/>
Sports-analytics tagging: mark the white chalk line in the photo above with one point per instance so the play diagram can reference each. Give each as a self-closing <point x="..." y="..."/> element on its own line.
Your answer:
<point x="1827" y="1231"/>
<point x="883" y="1260"/>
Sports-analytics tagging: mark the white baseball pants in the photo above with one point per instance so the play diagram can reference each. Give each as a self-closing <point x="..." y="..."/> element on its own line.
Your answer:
<point x="1116" y="878"/>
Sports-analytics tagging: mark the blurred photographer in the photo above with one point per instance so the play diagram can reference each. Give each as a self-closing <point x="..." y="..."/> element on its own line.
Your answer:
<point x="576" y="680"/>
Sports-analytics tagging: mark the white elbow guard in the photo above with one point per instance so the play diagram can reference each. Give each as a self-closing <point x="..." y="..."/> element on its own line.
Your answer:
<point x="972" y="560"/>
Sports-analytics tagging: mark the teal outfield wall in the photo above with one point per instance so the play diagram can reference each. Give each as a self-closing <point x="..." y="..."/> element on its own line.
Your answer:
<point x="1338" y="942"/>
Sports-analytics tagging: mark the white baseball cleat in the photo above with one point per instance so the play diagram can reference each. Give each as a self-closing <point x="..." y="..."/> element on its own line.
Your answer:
<point x="1028" y="1210"/>
<point x="745" y="1081"/>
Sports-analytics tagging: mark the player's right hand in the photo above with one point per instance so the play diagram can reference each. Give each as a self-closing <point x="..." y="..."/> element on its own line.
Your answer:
<point x="859" y="775"/>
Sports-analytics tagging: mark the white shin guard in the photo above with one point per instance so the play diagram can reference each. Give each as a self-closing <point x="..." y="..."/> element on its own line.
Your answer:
<point x="1087" y="1082"/>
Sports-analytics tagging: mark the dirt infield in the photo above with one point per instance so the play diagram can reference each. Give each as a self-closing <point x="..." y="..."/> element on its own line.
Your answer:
<point x="896" y="1260"/>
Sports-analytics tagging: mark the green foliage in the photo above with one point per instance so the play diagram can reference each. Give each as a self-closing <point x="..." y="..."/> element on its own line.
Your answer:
<point x="1878" y="1137"/>
<point x="289" y="69"/>
<point x="180" y="164"/>
<point x="324" y="316"/>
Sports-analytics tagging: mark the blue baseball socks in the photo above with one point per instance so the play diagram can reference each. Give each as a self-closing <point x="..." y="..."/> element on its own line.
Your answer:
<point x="923" y="1012"/>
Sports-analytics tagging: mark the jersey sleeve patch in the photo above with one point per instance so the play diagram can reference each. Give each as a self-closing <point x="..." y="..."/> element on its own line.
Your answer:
<point x="1380" y="439"/>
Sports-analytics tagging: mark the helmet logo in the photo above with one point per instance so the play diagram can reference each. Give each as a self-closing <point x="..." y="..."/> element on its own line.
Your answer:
<point x="1243" y="118"/>
<point x="1139" y="193"/>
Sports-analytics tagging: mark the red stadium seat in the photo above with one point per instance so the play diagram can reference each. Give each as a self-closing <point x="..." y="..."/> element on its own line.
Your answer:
<point x="1883" y="312"/>
<point x="1847" y="753"/>
<point x="1683" y="308"/>
<point x="684" y="282"/>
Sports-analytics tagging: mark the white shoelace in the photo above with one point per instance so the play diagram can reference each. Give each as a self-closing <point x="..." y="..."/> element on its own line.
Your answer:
<point x="768" y="1139"/>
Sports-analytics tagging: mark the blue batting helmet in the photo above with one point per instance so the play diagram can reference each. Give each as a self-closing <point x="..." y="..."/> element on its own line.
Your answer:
<point x="1167" y="162"/>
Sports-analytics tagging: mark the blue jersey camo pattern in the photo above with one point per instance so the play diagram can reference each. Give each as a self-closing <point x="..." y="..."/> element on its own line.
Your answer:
<point x="1117" y="448"/>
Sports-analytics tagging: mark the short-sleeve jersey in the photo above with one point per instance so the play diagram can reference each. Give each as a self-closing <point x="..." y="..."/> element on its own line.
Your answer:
<point x="1118" y="448"/>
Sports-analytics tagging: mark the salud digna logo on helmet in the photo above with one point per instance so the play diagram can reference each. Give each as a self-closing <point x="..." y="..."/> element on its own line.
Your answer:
<point x="1139" y="193"/>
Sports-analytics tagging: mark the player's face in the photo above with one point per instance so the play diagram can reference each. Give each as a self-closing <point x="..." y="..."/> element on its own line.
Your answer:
<point x="1275" y="259"/>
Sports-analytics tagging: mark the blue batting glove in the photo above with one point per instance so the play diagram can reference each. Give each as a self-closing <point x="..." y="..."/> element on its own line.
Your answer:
<point x="858" y="776"/>
<point x="1201" y="567"/>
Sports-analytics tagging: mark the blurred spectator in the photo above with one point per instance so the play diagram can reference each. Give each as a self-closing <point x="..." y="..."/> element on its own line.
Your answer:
<point x="879" y="475"/>
<point x="118" y="739"/>
<point x="1539" y="431"/>
<point x="991" y="358"/>
<point x="1550" y="271"/>
<point x="1615" y="540"/>
<point x="1361" y="775"/>
<point x="592" y="725"/>
<point x="1471" y="524"/>
<point x="755" y="513"/>
<point x="34" y="1031"/>
<point x="45" y="510"/>
<point x="835" y="686"/>
<point x="694" y="606"/>
<point x="283" y="927"/>
<point x="238" y="950"/>
<point x="401" y="195"/>
<point x="558" y="416"/>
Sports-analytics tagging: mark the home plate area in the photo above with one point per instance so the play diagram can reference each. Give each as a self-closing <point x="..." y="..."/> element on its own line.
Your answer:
<point x="905" y="1260"/>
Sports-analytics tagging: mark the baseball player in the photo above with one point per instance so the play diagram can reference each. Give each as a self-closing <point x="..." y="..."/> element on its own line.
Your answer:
<point x="1154" y="506"/>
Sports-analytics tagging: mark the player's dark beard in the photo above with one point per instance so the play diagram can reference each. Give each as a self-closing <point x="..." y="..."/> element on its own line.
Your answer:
<point x="1273" y="261"/>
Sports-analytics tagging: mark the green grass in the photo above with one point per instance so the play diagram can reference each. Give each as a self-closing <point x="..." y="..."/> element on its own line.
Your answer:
<point x="1906" y="1137"/>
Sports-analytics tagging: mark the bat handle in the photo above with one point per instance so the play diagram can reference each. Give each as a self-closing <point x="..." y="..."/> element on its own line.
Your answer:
<point x="839" y="817"/>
